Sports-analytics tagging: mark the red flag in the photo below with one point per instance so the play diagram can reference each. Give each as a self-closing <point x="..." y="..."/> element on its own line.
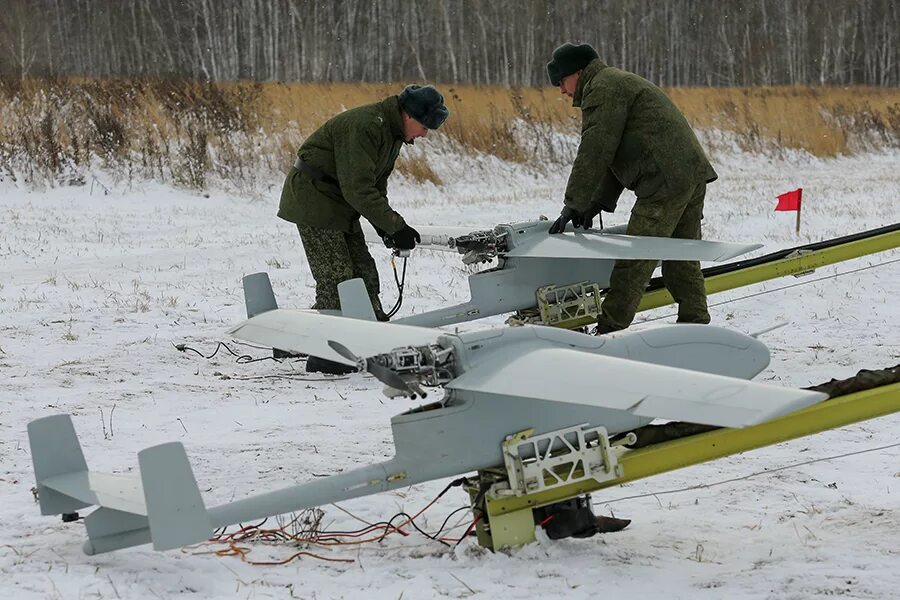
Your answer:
<point x="790" y="200"/>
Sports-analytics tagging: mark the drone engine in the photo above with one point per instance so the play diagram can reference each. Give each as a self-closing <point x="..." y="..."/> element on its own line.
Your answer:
<point x="480" y="246"/>
<point x="417" y="366"/>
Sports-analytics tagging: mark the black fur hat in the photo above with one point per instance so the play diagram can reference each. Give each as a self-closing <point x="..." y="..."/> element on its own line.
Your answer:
<point x="424" y="104"/>
<point x="569" y="58"/>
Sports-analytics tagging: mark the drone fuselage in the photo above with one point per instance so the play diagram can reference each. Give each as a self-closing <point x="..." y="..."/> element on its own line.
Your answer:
<point x="511" y="285"/>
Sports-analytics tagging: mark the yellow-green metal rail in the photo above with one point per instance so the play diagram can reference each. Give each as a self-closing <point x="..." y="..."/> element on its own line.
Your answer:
<point x="804" y="261"/>
<point x="696" y="449"/>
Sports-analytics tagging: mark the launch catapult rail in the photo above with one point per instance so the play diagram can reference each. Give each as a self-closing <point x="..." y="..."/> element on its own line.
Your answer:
<point x="799" y="260"/>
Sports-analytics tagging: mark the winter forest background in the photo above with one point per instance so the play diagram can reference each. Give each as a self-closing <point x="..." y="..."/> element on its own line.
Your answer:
<point x="670" y="42"/>
<point x="200" y="93"/>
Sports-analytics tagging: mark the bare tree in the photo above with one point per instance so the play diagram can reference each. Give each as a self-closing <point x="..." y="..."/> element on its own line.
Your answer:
<point x="671" y="42"/>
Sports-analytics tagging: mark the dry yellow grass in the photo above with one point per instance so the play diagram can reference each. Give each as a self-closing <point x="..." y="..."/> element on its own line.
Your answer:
<point x="824" y="121"/>
<point x="482" y="119"/>
<point x="187" y="132"/>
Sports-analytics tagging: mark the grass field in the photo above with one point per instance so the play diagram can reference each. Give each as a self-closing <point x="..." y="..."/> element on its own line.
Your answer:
<point x="195" y="135"/>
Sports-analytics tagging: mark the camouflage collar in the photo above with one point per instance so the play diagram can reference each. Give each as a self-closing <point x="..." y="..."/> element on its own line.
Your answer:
<point x="594" y="67"/>
<point x="390" y="106"/>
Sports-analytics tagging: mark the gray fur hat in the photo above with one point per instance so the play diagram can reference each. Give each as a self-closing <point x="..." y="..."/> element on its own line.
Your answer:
<point x="568" y="59"/>
<point x="424" y="104"/>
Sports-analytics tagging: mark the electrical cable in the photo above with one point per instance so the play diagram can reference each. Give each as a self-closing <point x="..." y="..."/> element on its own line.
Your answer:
<point x="327" y="539"/>
<point x="242" y="359"/>
<point x="401" y="283"/>
<point x="444" y="524"/>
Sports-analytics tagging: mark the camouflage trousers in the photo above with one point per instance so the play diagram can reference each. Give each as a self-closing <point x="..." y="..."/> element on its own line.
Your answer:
<point x="336" y="256"/>
<point x="674" y="216"/>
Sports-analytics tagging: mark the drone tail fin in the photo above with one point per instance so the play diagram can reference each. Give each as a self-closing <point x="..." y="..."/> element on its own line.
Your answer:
<point x="258" y="294"/>
<point x="163" y="506"/>
<point x="355" y="302"/>
<point x="56" y="454"/>
<point x="175" y="508"/>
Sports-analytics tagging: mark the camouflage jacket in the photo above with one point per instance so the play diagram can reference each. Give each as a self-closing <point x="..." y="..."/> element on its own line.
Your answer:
<point x="632" y="136"/>
<point x="357" y="149"/>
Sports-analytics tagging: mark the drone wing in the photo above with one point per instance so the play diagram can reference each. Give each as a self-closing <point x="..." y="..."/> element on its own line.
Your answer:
<point x="308" y="332"/>
<point x="644" y="389"/>
<point x="594" y="244"/>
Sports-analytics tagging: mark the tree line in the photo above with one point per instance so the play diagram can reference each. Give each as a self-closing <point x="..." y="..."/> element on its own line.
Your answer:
<point x="670" y="42"/>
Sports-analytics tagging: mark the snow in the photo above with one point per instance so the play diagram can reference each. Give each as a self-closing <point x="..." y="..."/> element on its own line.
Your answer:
<point x="98" y="288"/>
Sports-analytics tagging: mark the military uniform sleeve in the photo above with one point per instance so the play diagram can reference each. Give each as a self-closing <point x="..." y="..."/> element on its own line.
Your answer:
<point x="355" y="159"/>
<point x="381" y="184"/>
<point x="606" y="197"/>
<point x="603" y="120"/>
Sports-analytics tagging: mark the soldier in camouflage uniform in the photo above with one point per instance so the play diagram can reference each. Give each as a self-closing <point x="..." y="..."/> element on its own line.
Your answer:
<point x="633" y="136"/>
<point x="341" y="174"/>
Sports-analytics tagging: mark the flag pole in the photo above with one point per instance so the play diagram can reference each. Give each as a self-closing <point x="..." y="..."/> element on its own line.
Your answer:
<point x="799" y="206"/>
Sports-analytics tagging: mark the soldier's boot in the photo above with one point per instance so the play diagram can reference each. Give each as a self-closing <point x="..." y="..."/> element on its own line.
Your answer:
<point x="315" y="364"/>
<point x="604" y="328"/>
<point x="575" y="518"/>
<point x="610" y="524"/>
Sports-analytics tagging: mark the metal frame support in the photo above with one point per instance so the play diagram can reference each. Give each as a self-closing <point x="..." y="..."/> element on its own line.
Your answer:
<point x="507" y="518"/>
<point x="535" y="463"/>
<point x="498" y="529"/>
<point x="562" y="305"/>
<point x="696" y="449"/>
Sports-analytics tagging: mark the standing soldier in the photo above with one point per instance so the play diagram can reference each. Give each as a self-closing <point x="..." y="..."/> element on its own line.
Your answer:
<point x="633" y="136"/>
<point x="341" y="174"/>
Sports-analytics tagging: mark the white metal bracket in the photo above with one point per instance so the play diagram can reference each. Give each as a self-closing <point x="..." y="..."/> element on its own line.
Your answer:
<point x="541" y="462"/>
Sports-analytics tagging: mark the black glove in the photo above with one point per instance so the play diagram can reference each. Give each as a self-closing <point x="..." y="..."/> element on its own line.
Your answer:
<point x="567" y="214"/>
<point x="587" y="220"/>
<point x="387" y="239"/>
<point x="406" y="238"/>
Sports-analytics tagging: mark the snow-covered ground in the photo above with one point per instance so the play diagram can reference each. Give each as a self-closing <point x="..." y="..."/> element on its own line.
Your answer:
<point x="97" y="288"/>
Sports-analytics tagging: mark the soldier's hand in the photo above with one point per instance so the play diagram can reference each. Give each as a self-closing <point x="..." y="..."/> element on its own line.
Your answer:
<point x="587" y="220"/>
<point x="406" y="238"/>
<point x="385" y="237"/>
<point x="565" y="217"/>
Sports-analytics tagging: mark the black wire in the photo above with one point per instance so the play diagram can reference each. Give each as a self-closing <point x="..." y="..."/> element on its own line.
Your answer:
<point x="242" y="359"/>
<point x="444" y="524"/>
<point x="217" y="533"/>
<point x="483" y="487"/>
<point x="389" y="524"/>
<point x="417" y="528"/>
<point x="330" y="533"/>
<point x="401" y="282"/>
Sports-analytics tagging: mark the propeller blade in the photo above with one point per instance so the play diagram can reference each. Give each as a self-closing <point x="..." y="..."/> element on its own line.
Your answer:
<point x="345" y="352"/>
<point x="388" y="377"/>
<point x="380" y="372"/>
